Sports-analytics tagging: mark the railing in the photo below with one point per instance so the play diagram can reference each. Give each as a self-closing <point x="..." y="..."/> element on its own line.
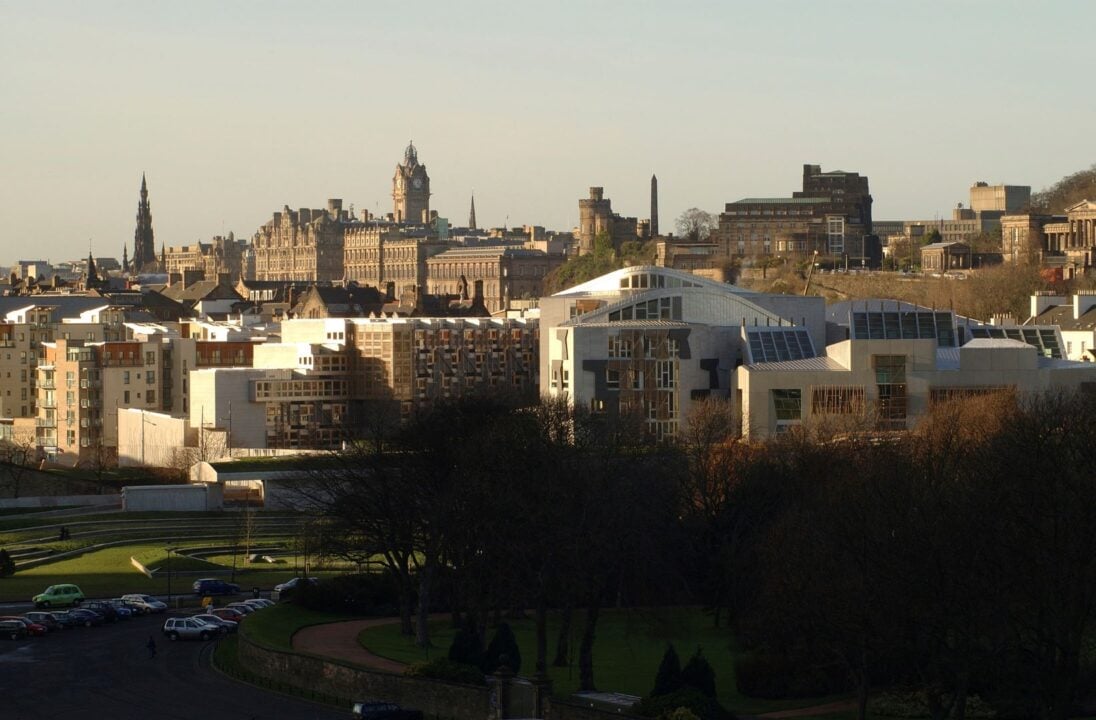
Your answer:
<point x="45" y="422"/>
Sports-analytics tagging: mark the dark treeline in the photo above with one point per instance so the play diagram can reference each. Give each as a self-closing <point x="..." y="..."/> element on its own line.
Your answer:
<point x="955" y="560"/>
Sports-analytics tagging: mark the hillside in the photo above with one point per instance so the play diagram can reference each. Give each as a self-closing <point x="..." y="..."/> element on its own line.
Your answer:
<point x="1067" y="191"/>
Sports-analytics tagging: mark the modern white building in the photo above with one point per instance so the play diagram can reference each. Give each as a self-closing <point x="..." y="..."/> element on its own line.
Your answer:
<point x="651" y="340"/>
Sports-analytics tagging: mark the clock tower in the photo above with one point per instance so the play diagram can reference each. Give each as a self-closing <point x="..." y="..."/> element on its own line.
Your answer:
<point x="411" y="189"/>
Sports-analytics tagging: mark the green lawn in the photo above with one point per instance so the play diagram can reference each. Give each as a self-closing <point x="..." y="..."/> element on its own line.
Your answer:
<point x="109" y="573"/>
<point x="627" y="650"/>
<point x="274" y="627"/>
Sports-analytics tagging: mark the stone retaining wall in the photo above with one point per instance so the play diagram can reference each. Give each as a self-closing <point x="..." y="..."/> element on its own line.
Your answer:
<point x="331" y="677"/>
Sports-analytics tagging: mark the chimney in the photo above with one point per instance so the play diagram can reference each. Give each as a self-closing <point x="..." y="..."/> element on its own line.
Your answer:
<point x="1083" y="301"/>
<point x="192" y="276"/>
<point x="1044" y="299"/>
<point x="174" y="278"/>
<point x="596" y="193"/>
<point x="334" y="207"/>
<point x="224" y="279"/>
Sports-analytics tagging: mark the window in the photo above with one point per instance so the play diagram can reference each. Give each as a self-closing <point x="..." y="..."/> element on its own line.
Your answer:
<point x="788" y="406"/>
<point x="150" y="396"/>
<point x="890" y="378"/>
<point x="837" y="400"/>
<point x="150" y="377"/>
<point x="150" y="357"/>
<point x="612" y="379"/>
<point x="125" y="397"/>
<point x="125" y="377"/>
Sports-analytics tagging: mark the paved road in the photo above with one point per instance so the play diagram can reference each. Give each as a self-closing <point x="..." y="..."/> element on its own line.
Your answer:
<point x="105" y="673"/>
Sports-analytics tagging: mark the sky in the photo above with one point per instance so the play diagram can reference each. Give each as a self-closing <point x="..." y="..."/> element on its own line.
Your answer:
<point x="236" y="109"/>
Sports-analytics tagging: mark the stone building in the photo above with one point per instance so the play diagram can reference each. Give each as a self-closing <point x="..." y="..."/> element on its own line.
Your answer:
<point x="831" y="215"/>
<point x="1065" y="245"/>
<point x="220" y="255"/>
<point x="945" y="256"/>
<point x="507" y="273"/>
<point x="305" y="244"/>
<point x="411" y="189"/>
<point x="596" y="217"/>
<point x="378" y="253"/>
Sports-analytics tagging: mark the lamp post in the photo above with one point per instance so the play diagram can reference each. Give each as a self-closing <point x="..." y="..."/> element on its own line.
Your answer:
<point x="170" y="570"/>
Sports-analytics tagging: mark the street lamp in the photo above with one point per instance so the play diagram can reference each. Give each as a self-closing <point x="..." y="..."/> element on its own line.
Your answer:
<point x="170" y="569"/>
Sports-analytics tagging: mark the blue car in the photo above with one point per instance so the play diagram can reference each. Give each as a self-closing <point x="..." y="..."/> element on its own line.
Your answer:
<point x="215" y="586"/>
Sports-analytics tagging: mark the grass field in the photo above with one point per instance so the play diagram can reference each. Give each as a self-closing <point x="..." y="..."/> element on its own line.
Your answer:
<point x="274" y="627"/>
<point x="627" y="650"/>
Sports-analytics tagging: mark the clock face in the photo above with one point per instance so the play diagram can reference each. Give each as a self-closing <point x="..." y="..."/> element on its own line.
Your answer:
<point x="417" y="182"/>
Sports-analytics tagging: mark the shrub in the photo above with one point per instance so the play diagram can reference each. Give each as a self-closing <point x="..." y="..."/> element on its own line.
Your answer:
<point x="912" y="704"/>
<point x="667" y="707"/>
<point x="773" y="677"/>
<point x="7" y="565"/>
<point x="668" y="678"/>
<point x="503" y="650"/>
<point x="698" y="673"/>
<point x="446" y="669"/>
<point x="373" y="594"/>
<point x="467" y="648"/>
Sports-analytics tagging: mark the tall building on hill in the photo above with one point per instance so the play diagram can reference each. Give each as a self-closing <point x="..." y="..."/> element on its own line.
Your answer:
<point x="654" y="206"/>
<point x="144" y="247"/>
<point x="411" y="189"/>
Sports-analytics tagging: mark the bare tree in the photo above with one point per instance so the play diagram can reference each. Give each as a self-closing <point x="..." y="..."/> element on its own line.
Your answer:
<point x="695" y="224"/>
<point x="17" y="459"/>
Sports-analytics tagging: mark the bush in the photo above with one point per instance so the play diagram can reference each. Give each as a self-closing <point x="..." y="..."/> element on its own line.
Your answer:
<point x="7" y="565"/>
<point x="503" y="650"/>
<point x="373" y="594"/>
<point x="668" y="678"/>
<point x="912" y="704"/>
<point x="669" y="706"/>
<point x="467" y="648"/>
<point x="446" y="669"/>
<point x="775" y="676"/>
<point x="698" y="673"/>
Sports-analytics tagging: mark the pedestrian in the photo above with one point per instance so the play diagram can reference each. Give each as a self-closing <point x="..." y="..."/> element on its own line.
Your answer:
<point x="151" y="645"/>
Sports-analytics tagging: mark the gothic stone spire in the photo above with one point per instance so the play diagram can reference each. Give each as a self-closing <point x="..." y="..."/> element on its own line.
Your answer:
<point x="144" y="246"/>
<point x="472" y="214"/>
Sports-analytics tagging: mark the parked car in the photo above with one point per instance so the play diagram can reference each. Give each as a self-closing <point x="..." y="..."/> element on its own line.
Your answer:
<point x="228" y="626"/>
<point x="383" y="711"/>
<point x="242" y="607"/>
<point x="227" y="613"/>
<point x="104" y="608"/>
<point x="46" y="619"/>
<point x="148" y="603"/>
<point x="67" y="620"/>
<point x="86" y="618"/>
<point x="257" y="603"/>
<point x="13" y="629"/>
<point x="33" y="629"/>
<point x="284" y="590"/>
<point x="58" y="596"/>
<point x="138" y="608"/>
<point x="189" y="629"/>
<point x="125" y="610"/>
<point x="215" y="586"/>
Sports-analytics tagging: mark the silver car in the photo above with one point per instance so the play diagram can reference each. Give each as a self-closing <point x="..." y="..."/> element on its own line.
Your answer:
<point x="189" y="629"/>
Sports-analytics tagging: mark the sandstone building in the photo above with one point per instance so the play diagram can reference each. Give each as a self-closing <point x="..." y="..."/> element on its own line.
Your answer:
<point x="411" y="189"/>
<point x="596" y="217"/>
<point x="303" y="245"/>
<point x="220" y="255"/>
<point x="144" y="244"/>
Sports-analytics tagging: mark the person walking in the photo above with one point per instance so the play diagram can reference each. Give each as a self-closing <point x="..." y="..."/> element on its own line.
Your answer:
<point x="151" y="645"/>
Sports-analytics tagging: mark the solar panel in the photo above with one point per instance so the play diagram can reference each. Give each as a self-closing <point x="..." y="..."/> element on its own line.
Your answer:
<point x="1043" y="339"/>
<point x="773" y="344"/>
<point x="904" y="325"/>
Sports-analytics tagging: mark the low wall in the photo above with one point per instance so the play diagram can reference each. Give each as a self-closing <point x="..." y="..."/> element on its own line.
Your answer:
<point x="338" y="679"/>
<point x="573" y="710"/>
<point x="52" y="501"/>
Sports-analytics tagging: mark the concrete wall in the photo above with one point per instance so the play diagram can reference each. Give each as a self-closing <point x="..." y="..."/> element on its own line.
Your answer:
<point x="140" y="498"/>
<point x="152" y="439"/>
<point x="222" y="398"/>
<point x="51" y="501"/>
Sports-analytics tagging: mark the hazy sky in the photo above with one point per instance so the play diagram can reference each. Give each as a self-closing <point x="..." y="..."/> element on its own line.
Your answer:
<point x="235" y="109"/>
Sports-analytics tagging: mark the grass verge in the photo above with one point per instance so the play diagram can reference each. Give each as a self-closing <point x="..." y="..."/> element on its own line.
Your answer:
<point x="274" y="627"/>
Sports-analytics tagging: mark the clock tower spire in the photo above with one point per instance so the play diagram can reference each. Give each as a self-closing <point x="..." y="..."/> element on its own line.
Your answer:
<point x="411" y="189"/>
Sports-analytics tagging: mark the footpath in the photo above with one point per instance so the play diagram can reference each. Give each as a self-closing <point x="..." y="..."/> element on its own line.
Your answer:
<point x="339" y="640"/>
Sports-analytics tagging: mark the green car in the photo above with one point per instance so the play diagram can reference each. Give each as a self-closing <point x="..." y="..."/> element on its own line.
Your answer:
<point x="59" y="595"/>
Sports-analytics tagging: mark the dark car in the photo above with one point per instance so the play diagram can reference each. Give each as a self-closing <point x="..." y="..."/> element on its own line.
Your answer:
<point x="284" y="590"/>
<point x="227" y="626"/>
<point x="86" y="618"/>
<point x="383" y="711"/>
<point x="13" y="629"/>
<point x="215" y="586"/>
<point x="67" y="621"/>
<point x="33" y="629"/>
<point x="47" y="620"/>
<point x="104" y="608"/>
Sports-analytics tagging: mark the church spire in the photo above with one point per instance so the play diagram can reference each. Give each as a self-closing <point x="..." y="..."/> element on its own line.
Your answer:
<point x="144" y="246"/>
<point x="125" y="260"/>
<point x="472" y="214"/>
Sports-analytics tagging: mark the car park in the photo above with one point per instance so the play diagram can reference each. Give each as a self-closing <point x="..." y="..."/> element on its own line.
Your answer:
<point x="189" y="629"/>
<point x="86" y="618"/>
<point x="66" y="620"/>
<point x="104" y="608"/>
<point x="13" y="629"/>
<point x="125" y="610"/>
<point x="226" y="613"/>
<point x="33" y="629"/>
<point x="257" y="603"/>
<point x="228" y="626"/>
<point x="242" y="607"/>
<point x="58" y="596"/>
<point x="215" y="586"/>
<point x="284" y="590"/>
<point x="46" y="619"/>
<point x="147" y="603"/>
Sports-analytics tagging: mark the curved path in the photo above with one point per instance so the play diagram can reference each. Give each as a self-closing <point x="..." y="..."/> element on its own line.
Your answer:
<point x="339" y="640"/>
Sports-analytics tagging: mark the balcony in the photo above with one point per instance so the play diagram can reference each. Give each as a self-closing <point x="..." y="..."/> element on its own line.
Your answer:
<point x="45" y="422"/>
<point x="47" y="385"/>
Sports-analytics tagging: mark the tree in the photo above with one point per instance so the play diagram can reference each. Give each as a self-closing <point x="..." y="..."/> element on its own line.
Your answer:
<point x="1069" y="190"/>
<point x="668" y="678"/>
<point x="502" y="650"/>
<point x="17" y="459"/>
<point x="695" y="224"/>
<point x="698" y="674"/>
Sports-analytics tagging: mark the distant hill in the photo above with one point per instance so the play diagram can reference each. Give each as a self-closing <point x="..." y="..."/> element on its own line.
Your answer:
<point x="1067" y="191"/>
